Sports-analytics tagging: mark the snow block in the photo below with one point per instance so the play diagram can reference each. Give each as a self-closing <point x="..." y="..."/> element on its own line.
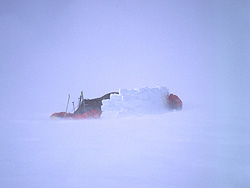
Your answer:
<point x="137" y="101"/>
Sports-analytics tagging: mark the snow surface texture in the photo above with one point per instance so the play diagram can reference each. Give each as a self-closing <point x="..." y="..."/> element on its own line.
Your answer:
<point x="187" y="148"/>
<point x="136" y="101"/>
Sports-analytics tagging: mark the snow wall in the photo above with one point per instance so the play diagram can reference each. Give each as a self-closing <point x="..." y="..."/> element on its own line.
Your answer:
<point x="136" y="101"/>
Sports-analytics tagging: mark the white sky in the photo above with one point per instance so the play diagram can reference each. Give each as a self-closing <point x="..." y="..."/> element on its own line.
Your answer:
<point x="48" y="49"/>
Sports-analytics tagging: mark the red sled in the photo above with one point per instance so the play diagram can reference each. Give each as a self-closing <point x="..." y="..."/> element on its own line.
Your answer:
<point x="87" y="109"/>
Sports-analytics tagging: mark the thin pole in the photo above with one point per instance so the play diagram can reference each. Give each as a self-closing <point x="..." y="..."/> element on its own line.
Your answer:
<point x="67" y="105"/>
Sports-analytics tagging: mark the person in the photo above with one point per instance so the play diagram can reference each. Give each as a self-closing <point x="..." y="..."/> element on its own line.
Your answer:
<point x="174" y="102"/>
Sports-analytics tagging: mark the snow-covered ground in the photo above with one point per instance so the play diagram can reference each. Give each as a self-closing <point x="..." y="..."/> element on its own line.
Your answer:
<point x="188" y="148"/>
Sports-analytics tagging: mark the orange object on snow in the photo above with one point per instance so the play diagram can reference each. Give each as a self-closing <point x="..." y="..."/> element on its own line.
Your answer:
<point x="61" y="115"/>
<point x="93" y="114"/>
<point x="174" y="102"/>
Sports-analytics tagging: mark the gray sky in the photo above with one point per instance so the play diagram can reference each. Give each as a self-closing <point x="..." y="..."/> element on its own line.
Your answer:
<point x="198" y="49"/>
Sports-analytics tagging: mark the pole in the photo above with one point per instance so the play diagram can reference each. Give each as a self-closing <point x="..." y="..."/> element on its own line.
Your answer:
<point x="67" y="105"/>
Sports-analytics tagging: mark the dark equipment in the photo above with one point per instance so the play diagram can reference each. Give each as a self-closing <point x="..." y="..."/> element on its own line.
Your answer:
<point x="86" y="105"/>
